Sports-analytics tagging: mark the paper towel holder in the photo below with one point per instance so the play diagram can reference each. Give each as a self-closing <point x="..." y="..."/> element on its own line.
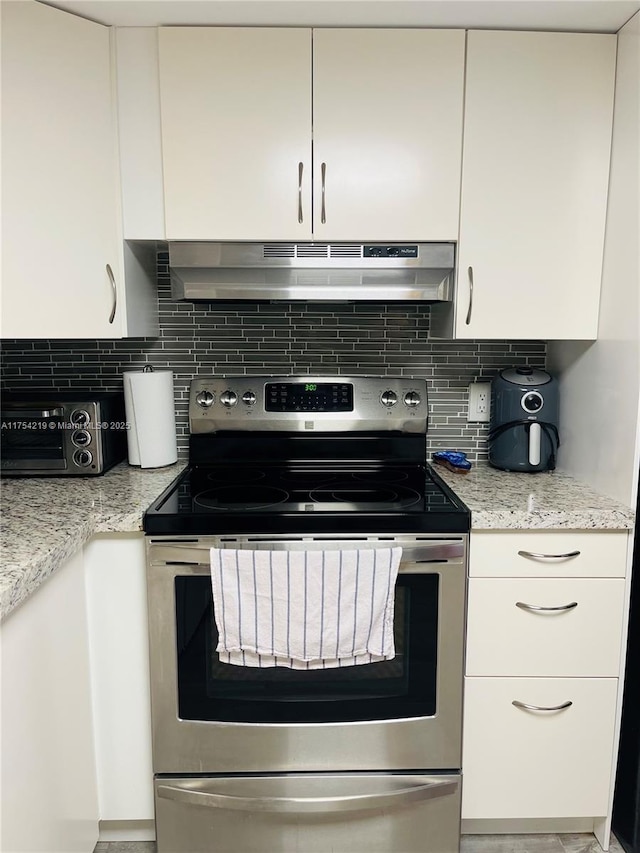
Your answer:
<point x="148" y="368"/>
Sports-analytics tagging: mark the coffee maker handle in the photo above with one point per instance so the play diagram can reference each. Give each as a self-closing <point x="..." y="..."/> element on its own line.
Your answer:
<point x="534" y="444"/>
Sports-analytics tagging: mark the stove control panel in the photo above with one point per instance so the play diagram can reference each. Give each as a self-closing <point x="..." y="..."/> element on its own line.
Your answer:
<point x="308" y="404"/>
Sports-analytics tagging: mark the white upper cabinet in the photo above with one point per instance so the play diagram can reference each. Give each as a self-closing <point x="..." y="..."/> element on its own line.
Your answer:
<point x="387" y="126"/>
<point x="236" y="132"/>
<point x="537" y="137"/>
<point x="244" y="110"/>
<point x="63" y="259"/>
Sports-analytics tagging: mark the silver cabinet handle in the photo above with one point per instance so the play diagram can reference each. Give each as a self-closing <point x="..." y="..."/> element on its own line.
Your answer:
<point x="566" y="556"/>
<point x="300" y="171"/>
<point x="526" y="707"/>
<point x="537" y="607"/>
<point x="115" y="294"/>
<point x="323" y="212"/>
<point x="470" y="309"/>
<point x="293" y="805"/>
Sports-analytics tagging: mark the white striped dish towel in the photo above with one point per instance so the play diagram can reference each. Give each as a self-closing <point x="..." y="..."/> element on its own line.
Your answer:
<point x="304" y="609"/>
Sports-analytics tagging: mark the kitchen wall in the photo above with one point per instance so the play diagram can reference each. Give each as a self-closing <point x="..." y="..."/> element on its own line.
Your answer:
<point x="360" y="339"/>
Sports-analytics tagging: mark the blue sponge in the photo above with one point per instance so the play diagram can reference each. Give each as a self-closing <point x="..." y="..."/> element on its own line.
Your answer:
<point x="454" y="460"/>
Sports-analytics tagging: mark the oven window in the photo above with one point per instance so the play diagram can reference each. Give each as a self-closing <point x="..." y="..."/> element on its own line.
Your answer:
<point x="402" y="687"/>
<point x="32" y="439"/>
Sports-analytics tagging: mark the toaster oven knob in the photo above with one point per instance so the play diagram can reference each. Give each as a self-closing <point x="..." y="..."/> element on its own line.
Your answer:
<point x="228" y="398"/>
<point x="205" y="399"/>
<point x="79" y="417"/>
<point x="83" y="458"/>
<point x="81" y="438"/>
<point x="249" y="398"/>
<point x="388" y="398"/>
<point x="412" y="398"/>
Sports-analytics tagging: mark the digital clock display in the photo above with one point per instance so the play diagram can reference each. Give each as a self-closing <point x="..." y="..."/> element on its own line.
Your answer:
<point x="309" y="397"/>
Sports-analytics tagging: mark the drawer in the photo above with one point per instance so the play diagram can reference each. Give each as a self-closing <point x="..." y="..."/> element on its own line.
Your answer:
<point x="548" y="554"/>
<point x="537" y="764"/>
<point x="506" y="639"/>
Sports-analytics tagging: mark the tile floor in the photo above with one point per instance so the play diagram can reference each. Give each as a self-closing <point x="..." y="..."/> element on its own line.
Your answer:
<point x="470" y="844"/>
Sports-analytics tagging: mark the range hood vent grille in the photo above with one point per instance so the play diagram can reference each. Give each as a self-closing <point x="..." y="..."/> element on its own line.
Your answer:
<point x="314" y="272"/>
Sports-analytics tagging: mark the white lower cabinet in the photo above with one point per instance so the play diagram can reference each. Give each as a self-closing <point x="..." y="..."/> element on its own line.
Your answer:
<point x="544" y="644"/>
<point x="49" y="798"/>
<point x="119" y="653"/>
<point x="520" y="763"/>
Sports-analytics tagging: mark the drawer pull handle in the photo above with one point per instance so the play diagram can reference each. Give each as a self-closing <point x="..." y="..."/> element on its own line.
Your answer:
<point x="538" y="608"/>
<point x="526" y="707"/>
<point x="549" y="556"/>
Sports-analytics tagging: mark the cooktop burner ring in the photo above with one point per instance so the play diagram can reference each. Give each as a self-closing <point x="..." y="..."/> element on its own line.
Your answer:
<point x="384" y="496"/>
<point x="235" y="498"/>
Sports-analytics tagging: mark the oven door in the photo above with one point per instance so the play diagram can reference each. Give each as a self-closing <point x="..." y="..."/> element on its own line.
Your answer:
<point x="396" y="715"/>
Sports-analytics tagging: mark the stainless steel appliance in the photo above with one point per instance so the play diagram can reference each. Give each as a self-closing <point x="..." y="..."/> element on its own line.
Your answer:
<point x="335" y="272"/>
<point x="61" y="433"/>
<point x="352" y="759"/>
<point x="523" y="433"/>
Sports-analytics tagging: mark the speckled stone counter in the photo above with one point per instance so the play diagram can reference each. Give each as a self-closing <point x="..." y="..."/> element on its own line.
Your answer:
<point x="505" y="500"/>
<point x="46" y="520"/>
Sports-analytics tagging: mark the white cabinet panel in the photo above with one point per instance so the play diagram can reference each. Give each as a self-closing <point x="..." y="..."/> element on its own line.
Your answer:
<point x="66" y="272"/>
<point x="237" y="128"/>
<point x="49" y="798"/>
<point x="59" y="178"/>
<point x="537" y="138"/>
<point x="496" y="554"/>
<point x="387" y="123"/>
<point x="506" y="639"/>
<point x="236" y="124"/>
<point x="118" y="626"/>
<point x="537" y="764"/>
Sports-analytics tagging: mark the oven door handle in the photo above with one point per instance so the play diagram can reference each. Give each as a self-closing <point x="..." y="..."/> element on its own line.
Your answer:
<point x="196" y="555"/>
<point x="433" y="789"/>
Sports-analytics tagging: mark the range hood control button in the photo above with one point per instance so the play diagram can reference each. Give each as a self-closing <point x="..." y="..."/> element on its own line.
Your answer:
<point x="412" y="398"/>
<point x="205" y="399"/>
<point x="388" y="398"/>
<point x="228" y="398"/>
<point x="249" y="398"/>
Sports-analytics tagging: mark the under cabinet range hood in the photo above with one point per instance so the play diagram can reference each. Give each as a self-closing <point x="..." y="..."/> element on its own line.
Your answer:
<point x="314" y="272"/>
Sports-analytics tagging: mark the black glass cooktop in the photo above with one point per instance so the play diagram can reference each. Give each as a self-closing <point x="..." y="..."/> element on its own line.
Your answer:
<point x="298" y="497"/>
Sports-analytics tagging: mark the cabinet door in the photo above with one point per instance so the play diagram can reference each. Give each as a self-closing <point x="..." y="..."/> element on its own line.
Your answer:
<point x="537" y="136"/>
<point x="59" y="178"/>
<point x="519" y="763"/>
<point x="236" y="132"/>
<point x="545" y="626"/>
<point x="387" y="125"/>
<point x="548" y="554"/>
<point x="49" y="798"/>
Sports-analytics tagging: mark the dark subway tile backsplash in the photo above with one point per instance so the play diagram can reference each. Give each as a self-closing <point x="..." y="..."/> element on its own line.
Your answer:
<point x="199" y="339"/>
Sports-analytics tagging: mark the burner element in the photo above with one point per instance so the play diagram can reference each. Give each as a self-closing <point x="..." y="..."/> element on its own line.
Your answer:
<point x="238" y="499"/>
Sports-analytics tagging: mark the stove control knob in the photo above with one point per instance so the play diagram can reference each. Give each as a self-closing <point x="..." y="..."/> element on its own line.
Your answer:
<point x="205" y="399"/>
<point x="412" y="398"/>
<point x="248" y="398"/>
<point x="388" y="398"/>
<point x="228" y="398"/>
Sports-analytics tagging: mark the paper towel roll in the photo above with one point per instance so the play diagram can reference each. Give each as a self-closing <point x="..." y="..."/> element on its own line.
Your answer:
<point x="150" y="410"/>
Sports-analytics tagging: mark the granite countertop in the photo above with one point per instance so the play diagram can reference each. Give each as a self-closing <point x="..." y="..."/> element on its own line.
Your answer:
<point x="47" y="519"/>
<point x="507" y="500"/>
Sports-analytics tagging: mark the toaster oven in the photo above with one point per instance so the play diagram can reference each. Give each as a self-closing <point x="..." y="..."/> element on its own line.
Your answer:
<point x="61" y="433"/>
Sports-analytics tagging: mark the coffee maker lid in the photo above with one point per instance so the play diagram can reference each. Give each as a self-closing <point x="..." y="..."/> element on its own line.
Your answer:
<point x="525" y="376"/>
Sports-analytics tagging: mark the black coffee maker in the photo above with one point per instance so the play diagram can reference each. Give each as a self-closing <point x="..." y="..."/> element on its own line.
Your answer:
<point x="523" y="432"/>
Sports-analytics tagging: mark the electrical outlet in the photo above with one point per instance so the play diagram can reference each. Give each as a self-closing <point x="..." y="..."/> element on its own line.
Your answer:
<point x="479" y="402"/>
